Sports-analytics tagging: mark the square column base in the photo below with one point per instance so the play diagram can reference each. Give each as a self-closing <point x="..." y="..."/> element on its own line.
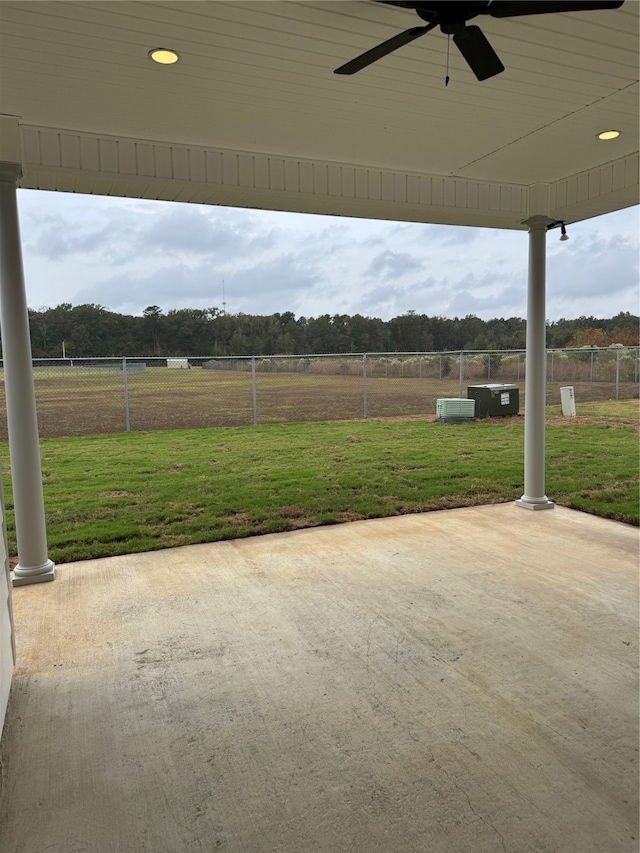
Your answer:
<point x="534" y="505"/>
<point x="48" y="574"/>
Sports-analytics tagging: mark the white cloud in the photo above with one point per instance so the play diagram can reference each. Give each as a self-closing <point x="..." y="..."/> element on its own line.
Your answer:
<point x="126" y="254"/>
<point x="391" y="265"/>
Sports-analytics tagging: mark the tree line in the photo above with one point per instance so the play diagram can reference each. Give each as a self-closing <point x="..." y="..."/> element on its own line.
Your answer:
<point x="92" y="331"/>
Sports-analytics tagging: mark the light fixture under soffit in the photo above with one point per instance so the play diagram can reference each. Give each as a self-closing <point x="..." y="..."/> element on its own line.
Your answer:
<point x="163" y="56"/>
<point x="563" y="229"/>
<point x="609" y="134"/>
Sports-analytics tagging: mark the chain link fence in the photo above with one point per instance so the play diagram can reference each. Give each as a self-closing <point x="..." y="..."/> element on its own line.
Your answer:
<point x="92" y="396"/>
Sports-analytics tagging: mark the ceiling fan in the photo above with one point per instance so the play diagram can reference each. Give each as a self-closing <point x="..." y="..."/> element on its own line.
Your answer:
<point x="452" y="17"/>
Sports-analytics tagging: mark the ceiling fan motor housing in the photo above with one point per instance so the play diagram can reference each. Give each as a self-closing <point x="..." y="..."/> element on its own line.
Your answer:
<point x="452" y="17"/>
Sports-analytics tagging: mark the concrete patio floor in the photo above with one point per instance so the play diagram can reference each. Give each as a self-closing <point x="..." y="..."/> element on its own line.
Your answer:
<point x="456" y="681"/>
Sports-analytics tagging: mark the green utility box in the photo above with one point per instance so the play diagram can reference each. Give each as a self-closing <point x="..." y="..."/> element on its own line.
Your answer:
<point x="494" y="401"/>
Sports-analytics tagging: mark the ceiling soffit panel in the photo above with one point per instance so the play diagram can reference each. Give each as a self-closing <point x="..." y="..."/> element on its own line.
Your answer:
<point x="573" y="141"/>
<point x="255" y="81"/>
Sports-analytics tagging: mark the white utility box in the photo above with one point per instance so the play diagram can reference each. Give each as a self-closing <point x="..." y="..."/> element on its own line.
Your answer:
<point x="455" y="410"/>
<point x="568" y="401"/>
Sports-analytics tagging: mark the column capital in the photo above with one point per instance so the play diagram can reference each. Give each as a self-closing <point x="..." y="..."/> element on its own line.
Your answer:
<point x="537" y="222"/>
<point x="10" y="149"/>
<point x="10" y="173"/>
<point x="538" y="200"/>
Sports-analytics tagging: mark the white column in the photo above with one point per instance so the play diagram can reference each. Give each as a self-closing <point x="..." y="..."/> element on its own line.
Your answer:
<point x="536" y="370"/>
<point x="24" y="447"/>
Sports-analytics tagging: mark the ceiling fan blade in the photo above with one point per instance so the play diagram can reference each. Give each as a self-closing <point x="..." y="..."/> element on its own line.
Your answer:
<point x="481" y="57"/>
<point x="513" y="8"/>
<point x="383" y="49"/>
<point x="404" y="4"/>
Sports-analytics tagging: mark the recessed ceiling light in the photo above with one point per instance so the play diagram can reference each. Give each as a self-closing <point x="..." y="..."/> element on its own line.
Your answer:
<point x="609" y="134"/>
<point x="163" y="56"/>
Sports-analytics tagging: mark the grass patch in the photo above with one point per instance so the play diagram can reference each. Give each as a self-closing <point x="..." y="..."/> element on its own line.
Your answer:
<point x="115" y="494"/>
<point x="612" y="412"/>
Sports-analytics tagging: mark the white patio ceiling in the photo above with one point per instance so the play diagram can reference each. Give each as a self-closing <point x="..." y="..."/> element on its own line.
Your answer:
<point x="253" y="115"/>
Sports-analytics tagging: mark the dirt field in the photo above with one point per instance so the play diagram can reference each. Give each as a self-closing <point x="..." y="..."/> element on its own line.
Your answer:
<point x="85" y="402"/>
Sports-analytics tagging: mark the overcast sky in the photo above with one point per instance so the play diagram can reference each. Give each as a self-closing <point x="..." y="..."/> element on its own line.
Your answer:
<point x="127" y="254"/>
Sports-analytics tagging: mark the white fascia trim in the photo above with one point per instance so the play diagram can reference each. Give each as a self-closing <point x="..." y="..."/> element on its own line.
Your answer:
<point x="82" y="162"/>
<point x="612" y="186"/>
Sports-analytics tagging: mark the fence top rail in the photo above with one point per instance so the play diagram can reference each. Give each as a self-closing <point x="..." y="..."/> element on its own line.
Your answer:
<point x="40" y="361"/>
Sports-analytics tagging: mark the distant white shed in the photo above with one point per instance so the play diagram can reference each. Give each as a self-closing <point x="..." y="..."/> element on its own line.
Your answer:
<point x="178" y="363"/>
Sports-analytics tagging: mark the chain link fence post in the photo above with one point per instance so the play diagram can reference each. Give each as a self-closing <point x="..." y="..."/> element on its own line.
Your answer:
<point x="201" y="392"/>
<point x="125" y="386"/>
<point x="254" y="396"/>
<point x="364" y="384"/>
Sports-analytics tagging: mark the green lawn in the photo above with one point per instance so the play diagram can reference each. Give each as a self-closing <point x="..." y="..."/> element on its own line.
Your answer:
<point x="115" y="494"/>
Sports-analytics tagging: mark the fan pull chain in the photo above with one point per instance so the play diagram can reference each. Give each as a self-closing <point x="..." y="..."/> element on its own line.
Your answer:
<point x="446" y="79"/>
